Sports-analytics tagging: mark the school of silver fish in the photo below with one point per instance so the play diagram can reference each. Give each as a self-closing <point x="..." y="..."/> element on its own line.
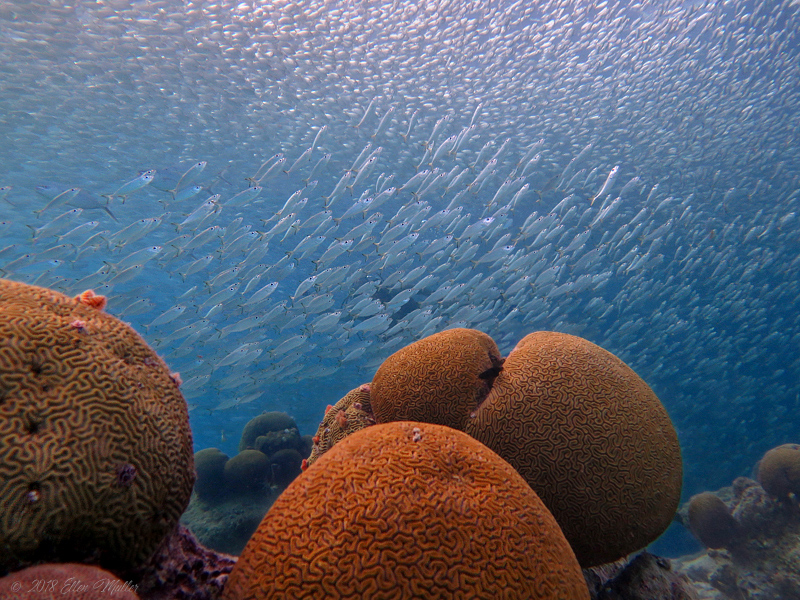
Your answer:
<point x="278" y="195"/>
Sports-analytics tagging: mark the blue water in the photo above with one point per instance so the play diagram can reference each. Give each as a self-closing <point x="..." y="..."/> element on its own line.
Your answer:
<point x="699" y="295"/>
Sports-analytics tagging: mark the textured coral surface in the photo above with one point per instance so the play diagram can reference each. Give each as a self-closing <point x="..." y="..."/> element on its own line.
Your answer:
<point x="95" y="447"/>
<point x="760" y="562"/>
<point x="350" y="414"/>
<point x="182" y="569"/>
<point x="439" y="379"/>
<point x="590" y="437"/>
<point x="408" y="510"/>
<point x="66" y="581"/>
<point x="779" y="471"/>
<point x="711" y="521"/>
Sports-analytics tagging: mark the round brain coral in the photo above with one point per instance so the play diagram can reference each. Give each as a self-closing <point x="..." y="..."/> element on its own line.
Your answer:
<point x="779" y="471"/>
<point x="95" y="446"/>
<point x="711" y="521"/>
<point x="210" y="468"/>
<point x="407" y="510"/>
<point x="248" y="471"/>
<point x="67" y="581"/>
<point x="350" y="414"/>
<point x="439" y="379"/>
<point x="262" y="425"/>
<point x="590" y="437"/>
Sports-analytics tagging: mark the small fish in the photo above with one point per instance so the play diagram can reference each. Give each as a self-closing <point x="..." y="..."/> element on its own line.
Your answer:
<point x="384" y="122"/>
<point x="262" y="293"/>
<point x="221" y="296"/>
<point x="609" y="182"/>
<point x="62" y="198"/>
<point x="410" y="125"/>
<point x="322" y="130"/>
<point x="483" y="175"/>
<point x="56" y="224"/>
<point x="186" y="193"/>
<point x="340" y="186"/>
<point x="290" y="344"/>
<point x="133" y="185"/>
<point x="209" y="207"/>
<point x="126" y="275"/>
<point x="304" y="286"/>
<point x="168" y="316"/>
<point x="303" y="158"/>
<point x="188" y="176"/>
<point x="243" y="197"/>
<point x="366" y="112"/>
<point x="321" y="163"/>
<point x="269" y="173"/>
<point x="78" y="231"/>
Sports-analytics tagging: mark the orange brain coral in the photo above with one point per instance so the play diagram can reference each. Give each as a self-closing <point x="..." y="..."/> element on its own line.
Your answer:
<point x="439" y="379"/>
<point x="350" y="414"/>
<point x="590" y="437"/>
<point x="407" y="510"/>
<point x="95" y="446"/>
<point x="65" y="582"/>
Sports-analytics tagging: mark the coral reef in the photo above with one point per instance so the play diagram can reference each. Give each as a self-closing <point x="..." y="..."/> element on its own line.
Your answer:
<point x="711" y="521"/>
<point x="65" y="581"/>
<point x="762" y="561"/>
<point x="226" y="524"/>
<point x="439" y="379"/>
<point x="350" y="414"/>
<point x="209" y="464"/>
<point x="590" y="437"/>
<point x="247" y="472"/>
<point x="779" y="471"/>
<point x="643" y="577"/>
<point x="407" y="510"/>
<point x="233" y="494"/>
<point x="284" y="466"/>
<point x="182" y="569"/>
<point x="263" y="425"/>
<point x="95" y="448"/>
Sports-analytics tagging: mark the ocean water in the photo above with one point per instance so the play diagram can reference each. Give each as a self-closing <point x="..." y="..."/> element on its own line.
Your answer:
<point x="624" y="171"/>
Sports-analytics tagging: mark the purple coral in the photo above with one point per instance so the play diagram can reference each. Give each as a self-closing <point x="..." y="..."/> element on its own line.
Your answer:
<point x="126" y="473"/>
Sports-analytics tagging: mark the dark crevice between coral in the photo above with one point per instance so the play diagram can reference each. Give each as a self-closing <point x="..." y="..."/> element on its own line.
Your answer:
<point x="33" y="425"/>
<point x="36" y="366"/>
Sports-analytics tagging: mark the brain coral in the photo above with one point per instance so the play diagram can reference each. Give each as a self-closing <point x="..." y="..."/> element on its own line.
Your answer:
<point x="779" y="471"/>
<point x="439" y="379"/>
<point x="262" y="425"/>
<point x="711" y="521"/>
<point x="210" y="468"/>
<point x="67" y="581"/>
<point x="590" y="437"/>
<point x="95" y="445"/>
<point x="248" y="471"/>
<point x="350" y="414"/>
<point x="407" y="510"/>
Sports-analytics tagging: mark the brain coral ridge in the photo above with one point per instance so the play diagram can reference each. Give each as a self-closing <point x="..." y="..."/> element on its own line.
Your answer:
<point x="408" y="510"/>
<point x="350" y="414"/>
<point x="95" y="446"/>
<point x="439" y="379"/>
<point x="590" y="437"/>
